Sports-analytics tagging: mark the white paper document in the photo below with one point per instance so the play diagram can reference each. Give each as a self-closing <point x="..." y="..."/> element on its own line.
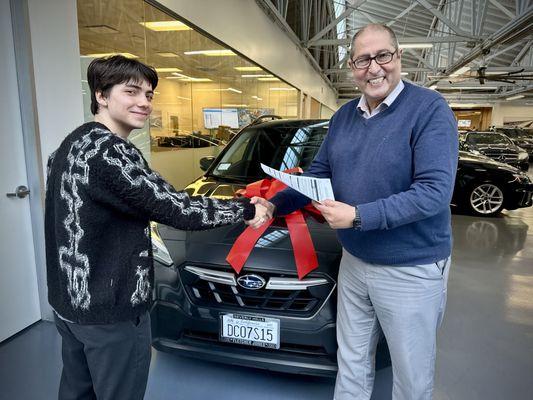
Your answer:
<point x="318" y="189"/>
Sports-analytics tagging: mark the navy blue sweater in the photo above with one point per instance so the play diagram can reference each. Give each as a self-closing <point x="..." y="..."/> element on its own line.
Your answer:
<point x="398" y="168"/>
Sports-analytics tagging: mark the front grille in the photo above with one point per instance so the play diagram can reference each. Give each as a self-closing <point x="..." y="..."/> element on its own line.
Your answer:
<point x="501" y="156"/>
<point x="223" y="294"/>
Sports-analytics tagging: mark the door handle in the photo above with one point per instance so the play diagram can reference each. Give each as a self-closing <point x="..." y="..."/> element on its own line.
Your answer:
<point x="20" y="192"/>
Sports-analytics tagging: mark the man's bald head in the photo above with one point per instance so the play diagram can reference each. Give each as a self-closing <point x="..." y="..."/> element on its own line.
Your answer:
<point x="374" y="27"/>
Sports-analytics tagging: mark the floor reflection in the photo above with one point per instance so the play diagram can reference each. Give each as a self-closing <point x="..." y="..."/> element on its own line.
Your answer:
<point x="481" y="238"/>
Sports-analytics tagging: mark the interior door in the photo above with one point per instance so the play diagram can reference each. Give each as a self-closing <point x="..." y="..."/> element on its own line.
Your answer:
<point x="19" y="300"/>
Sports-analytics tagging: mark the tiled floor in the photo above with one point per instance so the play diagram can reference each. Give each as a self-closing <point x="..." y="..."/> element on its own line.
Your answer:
<point x="485" y="348"/>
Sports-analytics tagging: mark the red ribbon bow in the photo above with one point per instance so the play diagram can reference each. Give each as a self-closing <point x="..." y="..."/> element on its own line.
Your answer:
<point x="304" y="250"/>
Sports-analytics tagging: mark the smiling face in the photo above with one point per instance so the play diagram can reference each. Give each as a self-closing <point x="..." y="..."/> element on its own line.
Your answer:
<point x="376" y="81"/>
<point x="126" y="107"/>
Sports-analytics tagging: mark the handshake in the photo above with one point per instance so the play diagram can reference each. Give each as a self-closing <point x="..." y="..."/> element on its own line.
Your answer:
<point x="337" y="214"/>
<point x="264" y="211"/>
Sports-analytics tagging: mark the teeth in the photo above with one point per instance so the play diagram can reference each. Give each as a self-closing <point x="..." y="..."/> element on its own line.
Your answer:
<point x="376" y="81"/>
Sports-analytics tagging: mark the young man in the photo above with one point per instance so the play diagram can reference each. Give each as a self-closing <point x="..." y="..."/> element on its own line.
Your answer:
<point x="101" y="196"/>
<point x="392" y="156"/>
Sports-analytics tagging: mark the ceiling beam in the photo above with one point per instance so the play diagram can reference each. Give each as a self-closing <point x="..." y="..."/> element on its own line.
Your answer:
<point x="443" y="18"/>
<point x="334" y="23"/>
<point x="516" y="27"/>
<point x="401" y="15"/>
<point x="521" y="89"/>
<point x="409" y="40"/>
<point x="271" y="10"/>
<point x="502" y="8"/>
<point x="522" y="53"/>
<point x="504" y="50"/>
<point x="420" y="58"/>
<point x="346" y="70"/>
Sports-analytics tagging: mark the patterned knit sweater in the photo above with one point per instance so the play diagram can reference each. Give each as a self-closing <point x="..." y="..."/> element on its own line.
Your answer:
<point x="101" y="195"/>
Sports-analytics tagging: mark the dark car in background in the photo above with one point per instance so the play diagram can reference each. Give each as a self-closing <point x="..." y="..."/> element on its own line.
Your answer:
<point x="520" y="136"/>
<point x="496" y="146"/>
<point x="485" y="187"/>
<point x="204" y="309"/>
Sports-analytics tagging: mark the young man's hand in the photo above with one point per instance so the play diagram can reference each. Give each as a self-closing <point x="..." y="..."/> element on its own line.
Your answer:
<point x="338" y="215"/>
<point x="264" y="211"/>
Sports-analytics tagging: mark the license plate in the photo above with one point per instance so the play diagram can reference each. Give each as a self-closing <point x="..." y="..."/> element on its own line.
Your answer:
<point x="251" y="330"/>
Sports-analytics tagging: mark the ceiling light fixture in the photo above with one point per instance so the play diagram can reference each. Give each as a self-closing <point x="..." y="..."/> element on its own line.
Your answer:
<point x="186" y="78"/>
<point x="281" y="88"/>
<point x="101" y="29"/>
<point x="167" y="54"/>
<point x="165" y="26"/>
<point x="248" y="69"/>
<point x="404" y="73"/>
<point x="235" y="105"/>
<point x="460" y="71"/>
<point x="168" y="70"/>
<point x="467" y="87"/>
<point x="518" y="96"/>
<point x="234" y="90"/>
<point x="268" y="79"/>
<point x="102" y="55"/>
<point x="257" y="76"/>
<point x="257" y="98"/>
<point x="211" y="53"/>
<point x="416" y="46"/>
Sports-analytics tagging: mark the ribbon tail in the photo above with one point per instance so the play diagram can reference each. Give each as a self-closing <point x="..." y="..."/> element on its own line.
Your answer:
<point x="244" y="245"/>
<point x="304" y="250"/>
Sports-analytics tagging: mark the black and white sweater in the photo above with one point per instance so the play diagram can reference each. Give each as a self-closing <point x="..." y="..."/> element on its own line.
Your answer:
<point x="101" y="195"/>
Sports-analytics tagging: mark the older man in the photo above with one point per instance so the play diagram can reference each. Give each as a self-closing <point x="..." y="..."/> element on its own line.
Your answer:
<point x="392" y="157"/>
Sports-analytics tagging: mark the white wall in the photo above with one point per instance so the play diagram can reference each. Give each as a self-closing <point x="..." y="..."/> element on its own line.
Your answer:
<point x="58" y="99"/>
<point x="56" y="63"/>
<point x="242" y="25"/>
<point x="503" y="112"/>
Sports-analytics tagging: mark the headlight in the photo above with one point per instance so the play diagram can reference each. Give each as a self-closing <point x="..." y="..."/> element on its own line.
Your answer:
<point x="159" y="249"/>
<point x="522" y="156"/>
<point x="476" y="152"/>
<point x="520" y="178"/>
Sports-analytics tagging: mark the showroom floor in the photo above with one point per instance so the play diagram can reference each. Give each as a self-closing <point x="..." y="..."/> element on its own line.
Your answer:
<point x="485" y="348"/>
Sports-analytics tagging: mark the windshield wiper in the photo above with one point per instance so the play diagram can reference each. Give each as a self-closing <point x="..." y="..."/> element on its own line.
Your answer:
<point x="231" y="179"/>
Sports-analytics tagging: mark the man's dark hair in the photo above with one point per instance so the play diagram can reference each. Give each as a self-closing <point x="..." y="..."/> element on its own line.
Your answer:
<point x="104" y="73"/>
<point x="379" y="27"/>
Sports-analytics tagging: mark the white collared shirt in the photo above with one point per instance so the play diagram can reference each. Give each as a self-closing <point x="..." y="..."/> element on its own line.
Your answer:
<point x="362" y="106"/>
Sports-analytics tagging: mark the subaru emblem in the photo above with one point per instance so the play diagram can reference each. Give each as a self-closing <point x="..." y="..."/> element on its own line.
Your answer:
<point x="251" y="281"/>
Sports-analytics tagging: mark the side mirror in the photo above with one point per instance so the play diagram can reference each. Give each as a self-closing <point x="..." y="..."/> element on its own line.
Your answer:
<point x="205" y="162"/>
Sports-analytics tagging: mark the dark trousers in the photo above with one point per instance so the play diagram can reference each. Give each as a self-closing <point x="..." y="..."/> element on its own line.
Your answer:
<point x="105" y="362"/>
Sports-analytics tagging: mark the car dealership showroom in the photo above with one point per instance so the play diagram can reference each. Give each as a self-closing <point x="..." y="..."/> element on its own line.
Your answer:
<point x="243" y="313"/>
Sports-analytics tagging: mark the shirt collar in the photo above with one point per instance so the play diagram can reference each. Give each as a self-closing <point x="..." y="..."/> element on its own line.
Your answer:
<point x="363" y="106"/>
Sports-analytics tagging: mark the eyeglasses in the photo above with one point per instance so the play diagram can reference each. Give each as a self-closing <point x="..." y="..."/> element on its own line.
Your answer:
<point x="381" y="59"/>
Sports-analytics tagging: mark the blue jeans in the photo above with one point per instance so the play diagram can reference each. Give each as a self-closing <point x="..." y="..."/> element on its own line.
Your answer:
<point x="406" y="304"/>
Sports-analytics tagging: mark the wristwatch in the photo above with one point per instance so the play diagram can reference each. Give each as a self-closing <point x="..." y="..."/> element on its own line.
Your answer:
<point x="357" y="220"/>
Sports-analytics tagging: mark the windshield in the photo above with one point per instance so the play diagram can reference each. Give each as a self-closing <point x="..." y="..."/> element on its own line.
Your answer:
<point x="488" y="138"/>
<point x="280" y="146"/>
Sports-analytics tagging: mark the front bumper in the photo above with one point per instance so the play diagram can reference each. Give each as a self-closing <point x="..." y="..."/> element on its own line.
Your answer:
<point x="173" y="331"/>
<point x="307" y="345"/>
<point x="521" y="196"/>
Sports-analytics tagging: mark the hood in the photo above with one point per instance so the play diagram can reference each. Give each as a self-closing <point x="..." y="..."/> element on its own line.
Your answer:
<point x="211" y="247"/>
<point x="471" y="158"/>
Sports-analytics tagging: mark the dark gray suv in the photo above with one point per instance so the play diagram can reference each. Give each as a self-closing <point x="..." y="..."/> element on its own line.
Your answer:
<point x="263" y="317"/>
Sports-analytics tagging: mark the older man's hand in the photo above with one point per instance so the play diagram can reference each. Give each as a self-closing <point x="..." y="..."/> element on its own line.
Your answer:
<point x="264" y="211"/>
<point x="338" y="215"/>
<point x="271" y="208"/>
